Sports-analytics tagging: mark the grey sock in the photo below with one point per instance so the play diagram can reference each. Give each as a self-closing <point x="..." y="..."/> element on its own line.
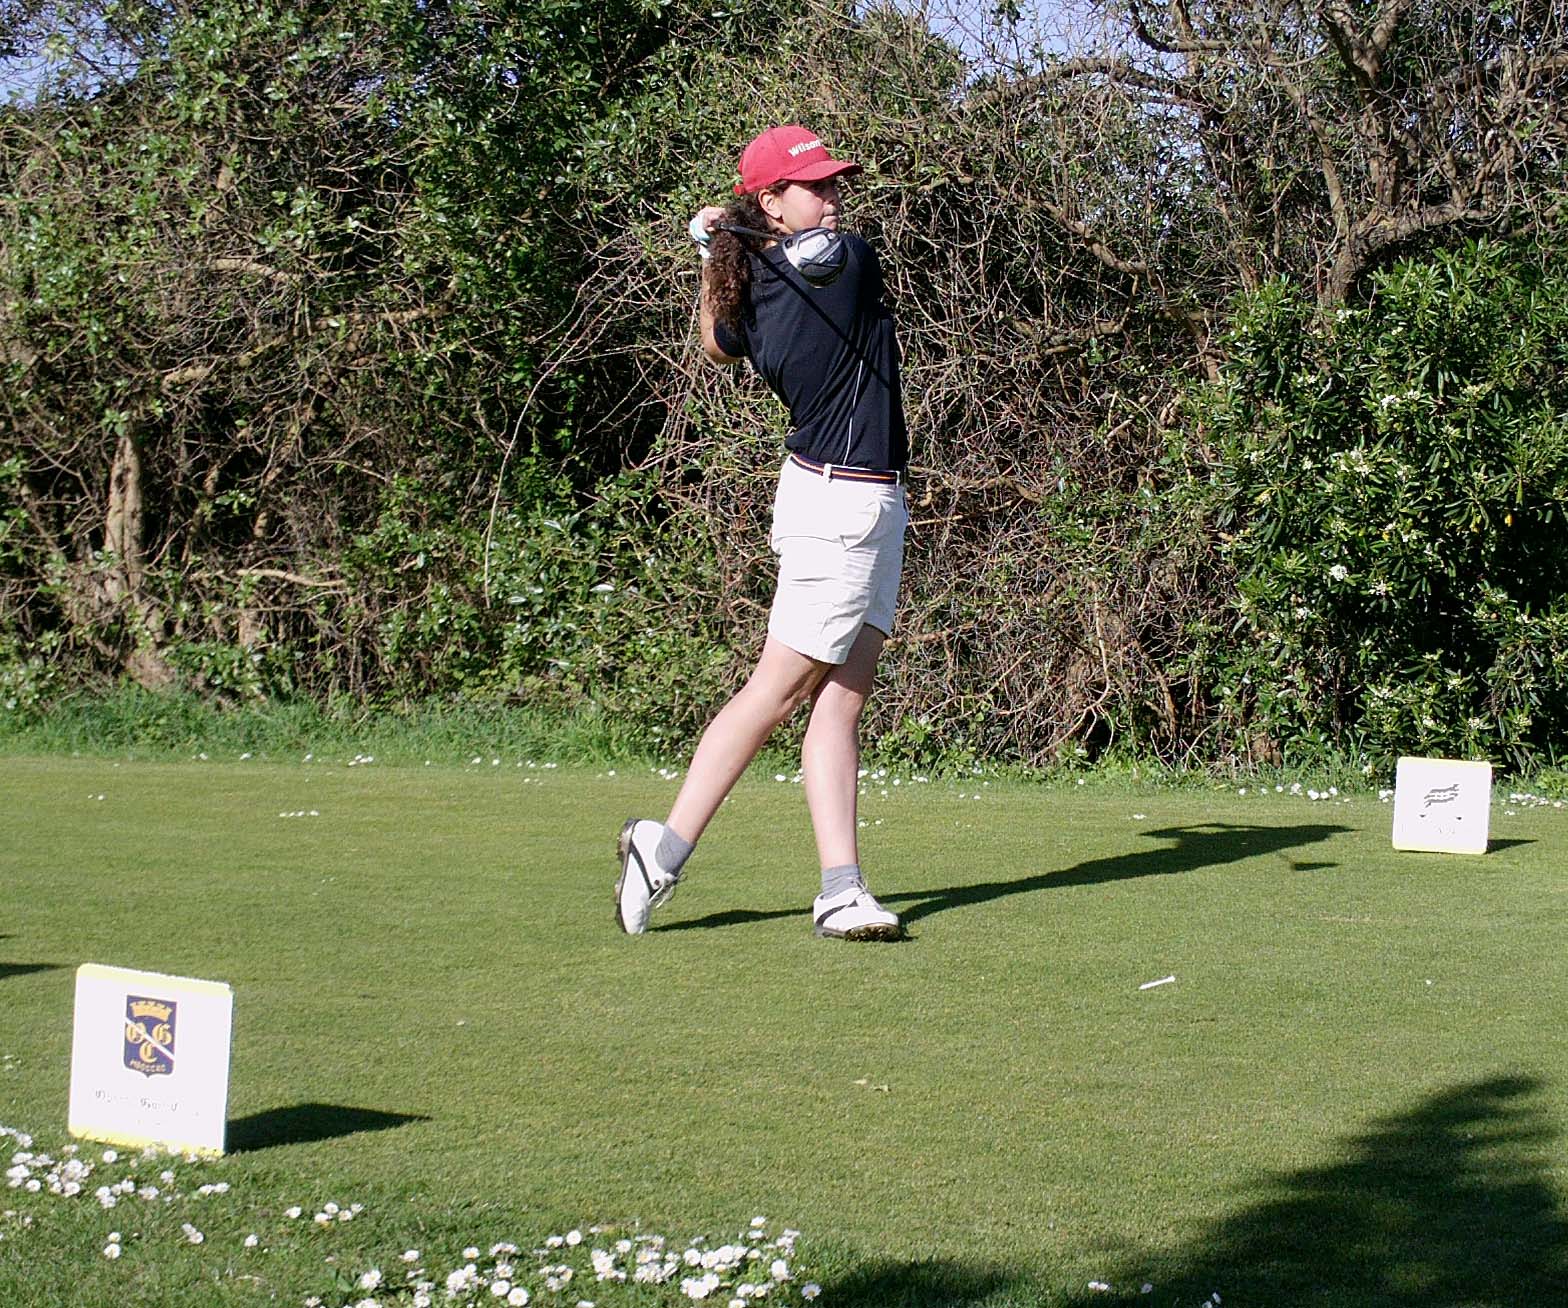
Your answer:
<point x="835" y="880"/>
<point x="673" y="851"/>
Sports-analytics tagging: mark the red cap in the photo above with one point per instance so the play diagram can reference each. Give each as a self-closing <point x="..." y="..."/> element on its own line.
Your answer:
<point x="787" y="154"/>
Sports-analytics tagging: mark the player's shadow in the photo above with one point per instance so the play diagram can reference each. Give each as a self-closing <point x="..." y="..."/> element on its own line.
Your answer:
<point x="1207" y="844"/>
<point x="1450" y="1203"/>
<point x="307" y="1123"/>
<point x="24" y="969"/>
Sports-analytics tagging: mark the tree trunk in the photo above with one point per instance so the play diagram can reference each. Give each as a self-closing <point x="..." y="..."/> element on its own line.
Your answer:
<point x="124" y="586"/>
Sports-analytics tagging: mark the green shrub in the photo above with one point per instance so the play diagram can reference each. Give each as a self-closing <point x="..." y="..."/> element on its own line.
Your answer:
<point x="1391" y="488"/>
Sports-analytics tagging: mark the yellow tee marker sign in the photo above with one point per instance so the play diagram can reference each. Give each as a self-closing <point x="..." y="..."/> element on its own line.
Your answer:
<point x="1442" y="805"/>
<point x="150" y="1059"/>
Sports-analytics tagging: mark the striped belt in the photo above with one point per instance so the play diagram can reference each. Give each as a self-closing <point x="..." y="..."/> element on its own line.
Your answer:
<point x="882" y="476"/>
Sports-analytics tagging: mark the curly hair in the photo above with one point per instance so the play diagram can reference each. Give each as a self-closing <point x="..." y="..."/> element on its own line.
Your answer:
<point x="729" y="267"/>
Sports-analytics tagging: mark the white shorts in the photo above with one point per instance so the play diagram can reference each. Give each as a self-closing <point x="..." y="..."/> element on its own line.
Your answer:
<point x="841" y="551"/>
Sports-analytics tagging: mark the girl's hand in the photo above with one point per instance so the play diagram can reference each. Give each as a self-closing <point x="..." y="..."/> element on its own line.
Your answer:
<point x="701" y="225"/>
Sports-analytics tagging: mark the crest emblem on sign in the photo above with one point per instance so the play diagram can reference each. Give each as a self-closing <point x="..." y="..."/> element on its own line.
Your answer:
<point x="149" y="1035"/>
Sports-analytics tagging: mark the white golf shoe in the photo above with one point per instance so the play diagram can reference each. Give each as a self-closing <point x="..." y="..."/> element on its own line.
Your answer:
<point x="643" y="885"/>
<point x="854" y="914"/>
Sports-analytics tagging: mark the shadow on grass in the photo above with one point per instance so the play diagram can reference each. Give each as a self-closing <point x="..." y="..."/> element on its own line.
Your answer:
<point x="24" y="969"/>
<point x="732" y="917"/>
<point x="307" y="1123"/>
<point x="939" y="1283"/>
<point x="1448" y="1204"/>
<point x="1207" y="844"/>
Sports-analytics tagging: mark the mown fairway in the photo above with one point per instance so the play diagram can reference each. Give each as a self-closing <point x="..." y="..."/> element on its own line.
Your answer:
<point x="1351" y="1093"/>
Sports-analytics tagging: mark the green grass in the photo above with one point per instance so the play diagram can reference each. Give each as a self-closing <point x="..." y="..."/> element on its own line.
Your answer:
<point x="1350" y="1095"/>
<point x="133" y="723"/>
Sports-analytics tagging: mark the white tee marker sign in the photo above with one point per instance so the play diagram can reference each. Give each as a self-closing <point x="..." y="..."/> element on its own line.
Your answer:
<point x="150" y="1059"/>
<point x="1442" y="806"/>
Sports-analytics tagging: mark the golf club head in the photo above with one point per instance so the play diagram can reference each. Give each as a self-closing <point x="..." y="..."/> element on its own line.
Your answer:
<point x="817" y="254"/>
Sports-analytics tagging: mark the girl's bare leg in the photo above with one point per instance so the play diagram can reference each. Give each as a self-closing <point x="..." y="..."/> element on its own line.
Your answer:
<point x="781" y="682"/>
<point x="830" y="754"/>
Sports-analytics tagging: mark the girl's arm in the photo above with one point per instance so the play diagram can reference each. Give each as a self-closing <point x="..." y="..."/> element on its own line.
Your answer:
<point x="701" y="223"/>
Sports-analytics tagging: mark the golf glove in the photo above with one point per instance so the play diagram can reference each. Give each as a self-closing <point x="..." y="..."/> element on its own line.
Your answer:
<point x="701" y="235"/>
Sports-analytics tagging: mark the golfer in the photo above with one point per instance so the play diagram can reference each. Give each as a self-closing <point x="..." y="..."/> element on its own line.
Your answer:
<point x="830" y="353"/>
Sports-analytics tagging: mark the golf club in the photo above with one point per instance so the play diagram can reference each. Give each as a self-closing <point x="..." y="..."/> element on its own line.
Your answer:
<point x="816" y="253"/>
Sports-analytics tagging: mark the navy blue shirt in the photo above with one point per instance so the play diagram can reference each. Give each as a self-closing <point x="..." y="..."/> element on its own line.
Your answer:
<point x="830" y="353"/>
